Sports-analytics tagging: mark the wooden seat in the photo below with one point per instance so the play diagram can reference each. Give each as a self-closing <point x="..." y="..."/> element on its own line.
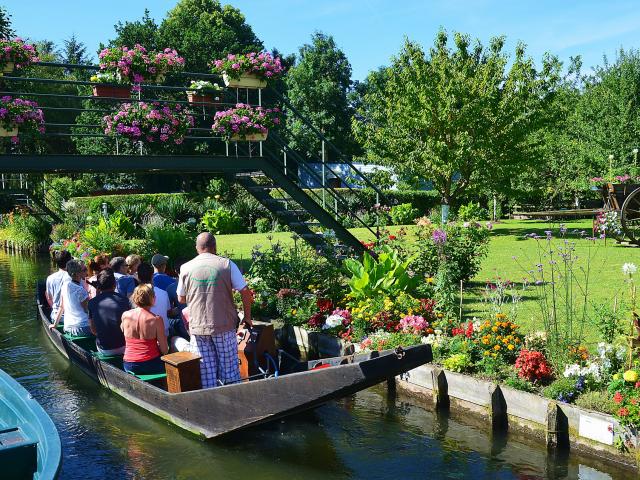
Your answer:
<point x="115" y="360"/>
<point x="85" y="342"/>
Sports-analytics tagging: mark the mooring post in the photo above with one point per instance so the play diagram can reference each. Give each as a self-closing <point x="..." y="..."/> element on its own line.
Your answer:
<point x="440" y="389"/>
<point x="557" y="432"/>
<point x="499" y="420"/>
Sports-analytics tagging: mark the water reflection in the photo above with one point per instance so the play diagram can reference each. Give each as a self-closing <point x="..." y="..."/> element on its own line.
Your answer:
<point x="370" y="435"/>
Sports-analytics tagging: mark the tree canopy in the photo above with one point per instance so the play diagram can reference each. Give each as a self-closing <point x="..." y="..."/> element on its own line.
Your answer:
<point x="461" y="118"/>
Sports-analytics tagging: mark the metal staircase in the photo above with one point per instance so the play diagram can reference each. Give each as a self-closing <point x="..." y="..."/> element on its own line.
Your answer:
<point x="32" y="195"/>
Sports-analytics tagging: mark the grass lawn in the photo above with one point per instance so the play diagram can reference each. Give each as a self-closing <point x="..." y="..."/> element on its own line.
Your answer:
<point x="507" y="242"/>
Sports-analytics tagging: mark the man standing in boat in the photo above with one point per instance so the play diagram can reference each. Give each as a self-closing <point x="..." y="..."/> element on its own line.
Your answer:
<point x="206" y="285"/>
<point x="56" y="280"/>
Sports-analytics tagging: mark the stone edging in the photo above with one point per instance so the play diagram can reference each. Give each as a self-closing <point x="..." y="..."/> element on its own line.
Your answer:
<point x="559" y="425"/>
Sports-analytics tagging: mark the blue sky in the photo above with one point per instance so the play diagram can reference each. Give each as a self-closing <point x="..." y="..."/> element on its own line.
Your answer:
<point x="369" y="32"/>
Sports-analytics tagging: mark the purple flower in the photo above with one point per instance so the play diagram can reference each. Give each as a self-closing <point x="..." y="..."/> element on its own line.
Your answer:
<point x="439" y="236"/>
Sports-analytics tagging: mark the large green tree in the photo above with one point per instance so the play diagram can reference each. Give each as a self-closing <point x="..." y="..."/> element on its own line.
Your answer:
<point x="203" y="30"/>
<point x="143" y="32"/>
<point x="318" y="86"/>
<point x="461" y="118"/>
<point x="6" y="30"/>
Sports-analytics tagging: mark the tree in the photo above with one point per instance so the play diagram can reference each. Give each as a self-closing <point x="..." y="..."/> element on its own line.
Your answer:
<point x="143" y="32"/>
<point x="607" y="117"/>
<point x="74" y="51"/>
<point x="318" y="86"/>
<point x="460" y="118"/>
<point x="203" y="30"/>
<point x="6" y="30"/>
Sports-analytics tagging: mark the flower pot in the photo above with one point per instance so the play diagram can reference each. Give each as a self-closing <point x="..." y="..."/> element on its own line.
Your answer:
<point x="12" y="131"/>
<point x="113" y="91"/>
<point x="252" y="137"/>
<point x="8" y="68"/>
<point x="246" y="80"/>
<point x="195" y="97"/>
<point x="160" y="78"/>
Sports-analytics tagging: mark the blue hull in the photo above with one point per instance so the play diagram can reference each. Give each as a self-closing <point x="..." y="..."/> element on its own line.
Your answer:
<point x="29" y="442"/>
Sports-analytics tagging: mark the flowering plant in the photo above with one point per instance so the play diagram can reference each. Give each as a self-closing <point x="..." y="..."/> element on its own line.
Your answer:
<point x="533" y="366"/>
<point x="262" y="65"/>
<point x="245" y="120"/>
<point x="498" y="338"/>
<point x="201" y="86"/>
<point x="625" y="392"/>
<point x="387" y="340"/>
<point x="17" y="52"/>
<point x="136" y="65"/>
<point x="608" y="223"/>
<point x="16" y="112"/>
<point x="76" y="248"/>
<point x="151" y="122"/>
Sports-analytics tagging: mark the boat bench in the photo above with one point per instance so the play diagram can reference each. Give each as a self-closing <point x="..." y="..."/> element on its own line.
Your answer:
<point x="18" y="453"/>
<point x="157" y="379"/>
<point x="115" y="360"/>
<point x="84" y="342"/>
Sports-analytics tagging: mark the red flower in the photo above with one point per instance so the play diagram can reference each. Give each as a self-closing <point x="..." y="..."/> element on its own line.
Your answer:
<point x="469" y="330"/>
<point x="316" y="320"/>
<point x="533" y="366"/>
<point x="618" y="397"/>
<point x="392" y="237"/>
<point x="457" y="331"/>
<point x="623" y="412"/>
<point x="324" y="304"/>
<point x="638" y="384"/>
<point x="634" y="401"/>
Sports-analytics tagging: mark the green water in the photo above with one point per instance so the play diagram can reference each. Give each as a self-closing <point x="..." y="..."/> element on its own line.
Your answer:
<point x="367" y="436"/>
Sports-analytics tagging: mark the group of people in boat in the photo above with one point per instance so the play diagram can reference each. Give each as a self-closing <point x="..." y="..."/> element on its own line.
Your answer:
<point x="137" y="310"/>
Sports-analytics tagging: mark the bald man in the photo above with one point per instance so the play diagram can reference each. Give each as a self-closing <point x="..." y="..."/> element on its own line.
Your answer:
<point x="206" y="285"/>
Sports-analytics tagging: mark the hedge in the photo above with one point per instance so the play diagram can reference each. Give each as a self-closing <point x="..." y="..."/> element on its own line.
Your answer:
<point x="114" y="202"/>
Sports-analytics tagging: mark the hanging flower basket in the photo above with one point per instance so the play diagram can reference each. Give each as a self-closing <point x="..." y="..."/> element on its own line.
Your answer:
<point x="16" y="54"/>
<point x="18" y="116"/>
<point x="245" y="123"/>
<point x="113" y="91"/>
<point x="203" y="92"/>
<point x="251" y="70"/>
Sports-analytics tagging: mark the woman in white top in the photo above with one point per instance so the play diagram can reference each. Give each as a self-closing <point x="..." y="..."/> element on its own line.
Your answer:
<point x="74" y="301"/>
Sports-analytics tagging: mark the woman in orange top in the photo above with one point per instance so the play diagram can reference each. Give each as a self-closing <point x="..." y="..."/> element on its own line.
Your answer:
<point x="144" y="335"/>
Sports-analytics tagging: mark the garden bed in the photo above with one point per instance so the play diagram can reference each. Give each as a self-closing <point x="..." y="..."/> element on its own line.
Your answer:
<point x="312" y="345"/>
<point x="559" y="424"/>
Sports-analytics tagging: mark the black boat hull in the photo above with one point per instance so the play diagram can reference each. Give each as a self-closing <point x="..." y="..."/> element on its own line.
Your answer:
<point x="211" y="412"/>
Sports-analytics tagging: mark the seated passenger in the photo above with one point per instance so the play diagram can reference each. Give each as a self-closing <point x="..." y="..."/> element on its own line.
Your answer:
<point x="56" y="280"/>
<point x="160" y="278"/>
<point x="125" y="284"/>
<point x="133" y="262"/>
<point x="99" y="263"/>
<point x="161" y="306"/>
<point x="74" y="301"/>
<point x="105" y="314"/>
<point x="144" y="335"/>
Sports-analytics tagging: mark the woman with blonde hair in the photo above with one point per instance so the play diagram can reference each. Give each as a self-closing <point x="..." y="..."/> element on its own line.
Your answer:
<point x="133" y="261"/>
<point x="145" y="340"/>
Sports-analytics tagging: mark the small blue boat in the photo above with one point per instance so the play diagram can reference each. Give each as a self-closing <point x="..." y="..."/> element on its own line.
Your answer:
<point x="29" y="442"/>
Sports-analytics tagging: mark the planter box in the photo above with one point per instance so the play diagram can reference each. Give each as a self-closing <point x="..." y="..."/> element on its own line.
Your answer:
<point x="253" y="137"/>
<point x="247" y="80"/>
<point x="202" y="98"/>
<point x="12" y="131"/>
<point x="113" y="91"/>
<point x="8" y="68"/>
<point x="313" y="345"/>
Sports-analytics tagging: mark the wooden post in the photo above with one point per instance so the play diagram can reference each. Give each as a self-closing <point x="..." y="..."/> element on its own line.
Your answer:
<point x="183" y="372"/>
<point x="499" y="420"/>
<point x="440" y="389"/>
<point x="557" y="432"/>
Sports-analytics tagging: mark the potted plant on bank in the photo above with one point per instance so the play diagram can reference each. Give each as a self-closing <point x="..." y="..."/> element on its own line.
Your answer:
<point x="123" y="69"/>
<point x="251" y="70"/>
<point x="154" y="123"/>
<point x="245" y="123"/>
<point x="16" y="54"/>
<point x="18" y="115"/>
<point x="203" y="92"/>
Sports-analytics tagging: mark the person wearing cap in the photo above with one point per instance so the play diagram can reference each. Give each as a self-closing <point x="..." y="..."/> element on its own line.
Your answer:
<point x="105" y="314"/>
<point x="74" y="300"/>
<point x="160" y="278"/>
<point x="206" y="285"/>
<point x="125" y="284"/>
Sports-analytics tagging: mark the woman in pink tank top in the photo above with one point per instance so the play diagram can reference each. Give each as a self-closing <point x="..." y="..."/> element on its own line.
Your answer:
<point x="144" y="335"/>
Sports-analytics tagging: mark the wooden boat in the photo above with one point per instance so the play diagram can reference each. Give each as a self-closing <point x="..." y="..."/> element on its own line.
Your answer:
<point x="295" y="386"/>
<point x="29" y="441"/>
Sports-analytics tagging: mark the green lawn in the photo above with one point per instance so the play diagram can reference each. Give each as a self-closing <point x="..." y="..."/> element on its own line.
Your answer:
<point x="507" y="242"/>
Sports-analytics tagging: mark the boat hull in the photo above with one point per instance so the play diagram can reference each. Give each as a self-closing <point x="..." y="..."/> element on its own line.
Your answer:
<point x="211" y="412"/>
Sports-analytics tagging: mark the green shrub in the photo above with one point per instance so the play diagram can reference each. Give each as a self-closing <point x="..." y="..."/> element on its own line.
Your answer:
<point x="403" y="214"/>
<point x="263" y="225"/>
<point x="176" y="209"/>
<point x="121" y="225"/>
<point x="472" y="211"/>
<point x="458" y="362"/>
<point x="139" y="246"/>
<point x="600" y="401"/>
<point x="25" y="231"/>
<point x="221" y="221"/>
<point x="514" y="381"/>
<point x="563" y="389"/>
<point x="173" y="241"/>
<point x="63" y="231"/>
<point x="219" y="187"/>
<point x="102" y="238"/>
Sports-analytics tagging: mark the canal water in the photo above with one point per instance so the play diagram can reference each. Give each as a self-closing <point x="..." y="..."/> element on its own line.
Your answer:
<point x="370" y="435"/>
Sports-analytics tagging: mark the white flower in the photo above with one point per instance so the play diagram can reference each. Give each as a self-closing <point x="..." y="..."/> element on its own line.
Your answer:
<point x="572" y="370"/>
<point x="629" y="269"/>
<point x="332" y="321"/>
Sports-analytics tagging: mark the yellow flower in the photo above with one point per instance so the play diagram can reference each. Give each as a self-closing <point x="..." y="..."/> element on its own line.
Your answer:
<point x="294" y="311"/>
<point x="440" y="315"/>
<point x="510" y="347"/>
<point x="494" y="329"/>
<point x="496" y="348"/>
<point x="630" y="376"/>
<point x="501" y="316"/>
<point x="486" y="353"/>
<point x="430" y="280"/>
